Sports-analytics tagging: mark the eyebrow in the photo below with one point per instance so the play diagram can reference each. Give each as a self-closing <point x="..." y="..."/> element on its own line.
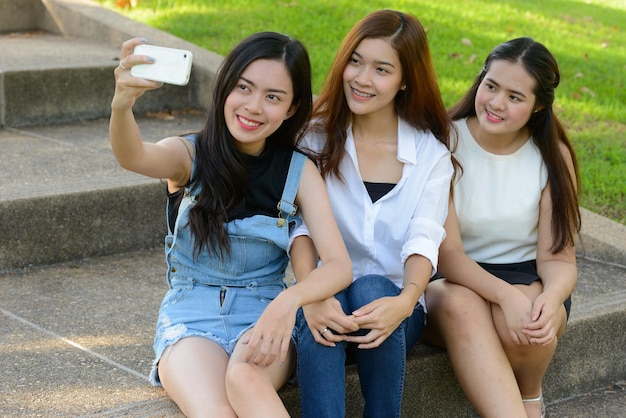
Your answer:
<point x="377" y="62"/>
<point x="269" y="90"/>
<point x="492" y="81"/>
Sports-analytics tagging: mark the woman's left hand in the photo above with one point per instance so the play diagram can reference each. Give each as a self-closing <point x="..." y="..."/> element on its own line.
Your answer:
<point x="543" y="328"/>
<point x="270" y="338"/>
<point x="382" y="317"/>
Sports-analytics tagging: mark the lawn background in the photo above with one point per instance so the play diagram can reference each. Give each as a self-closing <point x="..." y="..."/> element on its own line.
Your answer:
<point x="586" y="37"/>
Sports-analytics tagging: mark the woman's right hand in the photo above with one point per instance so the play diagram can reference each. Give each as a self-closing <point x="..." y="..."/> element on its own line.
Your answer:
<point x="128" y="88"/>
<point x="328" y="314"/>
<point x="517" y="314"/>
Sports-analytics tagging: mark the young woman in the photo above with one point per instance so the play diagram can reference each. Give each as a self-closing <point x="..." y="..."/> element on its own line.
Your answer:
<point x="237" y="189"/>
<point x="510" y="234"/>
<point x="380" y="134"/>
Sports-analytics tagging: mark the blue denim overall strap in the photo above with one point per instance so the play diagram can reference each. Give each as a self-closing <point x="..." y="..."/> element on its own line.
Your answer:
<point x="287" y="207"/>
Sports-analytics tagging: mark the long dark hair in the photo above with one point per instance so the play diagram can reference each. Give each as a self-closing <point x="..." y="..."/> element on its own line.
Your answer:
<point x="220" y="174"/>
<point x="420" y="104"/>
<point x="544" y="126"/>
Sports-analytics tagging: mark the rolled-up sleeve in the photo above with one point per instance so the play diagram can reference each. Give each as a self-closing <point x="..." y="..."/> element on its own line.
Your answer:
<point x="299" y="231"/>
<point x="425" y="232"/>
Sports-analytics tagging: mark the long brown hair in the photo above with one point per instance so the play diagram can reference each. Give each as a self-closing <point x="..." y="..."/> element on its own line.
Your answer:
<point x="546" y="130"/>
<point x="420" y="104"/>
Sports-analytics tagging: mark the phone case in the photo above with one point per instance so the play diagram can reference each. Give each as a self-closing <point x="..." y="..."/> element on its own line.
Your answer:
<point x="171" y="65"/>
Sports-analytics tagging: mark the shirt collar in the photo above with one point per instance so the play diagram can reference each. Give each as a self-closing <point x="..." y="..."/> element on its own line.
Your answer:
<point x="407" y="138"/>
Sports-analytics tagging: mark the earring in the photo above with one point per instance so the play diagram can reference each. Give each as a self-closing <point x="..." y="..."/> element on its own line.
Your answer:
<point x="403" y="87"/>
<point x="536" y="110"/>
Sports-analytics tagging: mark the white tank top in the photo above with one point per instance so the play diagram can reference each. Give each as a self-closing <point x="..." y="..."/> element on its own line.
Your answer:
<point x="497" y="200"/>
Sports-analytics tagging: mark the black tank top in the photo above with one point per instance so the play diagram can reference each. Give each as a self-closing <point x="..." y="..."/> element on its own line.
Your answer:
<point x="267" y="175"/>
<point x="378" y="190"/>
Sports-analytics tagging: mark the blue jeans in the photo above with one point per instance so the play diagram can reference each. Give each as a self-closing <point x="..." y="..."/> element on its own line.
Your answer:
<point x="321" y="369"/>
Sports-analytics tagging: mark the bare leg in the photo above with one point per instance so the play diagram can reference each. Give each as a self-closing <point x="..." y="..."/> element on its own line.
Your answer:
<point x="462" y="320"/>
<point x="192" y="372"/>
<point x="252" y="389"/>
<point x="529" y="362"/>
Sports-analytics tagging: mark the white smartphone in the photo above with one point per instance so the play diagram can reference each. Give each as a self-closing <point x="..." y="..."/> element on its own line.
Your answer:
<point x="171" y="65"/>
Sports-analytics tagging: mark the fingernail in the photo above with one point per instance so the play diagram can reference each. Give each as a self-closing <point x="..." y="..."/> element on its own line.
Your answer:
<point x="143" y="40"/>
<point x="150" y="59"/>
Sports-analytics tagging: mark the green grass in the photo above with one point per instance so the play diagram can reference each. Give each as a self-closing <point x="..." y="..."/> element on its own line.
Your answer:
<point x="586" y="36"/>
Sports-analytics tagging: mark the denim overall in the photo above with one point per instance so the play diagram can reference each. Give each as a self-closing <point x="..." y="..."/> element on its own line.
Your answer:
<point x="221" y="298"/>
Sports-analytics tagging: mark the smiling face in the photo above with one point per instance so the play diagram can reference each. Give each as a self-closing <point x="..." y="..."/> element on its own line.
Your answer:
<point x="505" y="100"/>
<point x="258" y="105"/>
<point x="372" y="77"/>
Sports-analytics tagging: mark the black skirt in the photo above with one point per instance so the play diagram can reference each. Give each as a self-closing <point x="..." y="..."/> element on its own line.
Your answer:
<point x="515" y="273"/>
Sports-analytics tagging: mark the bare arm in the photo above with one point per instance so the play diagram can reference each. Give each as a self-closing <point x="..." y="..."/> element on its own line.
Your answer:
<point x="417" y="272"/>
<point x="557" y="271"/>
<point x="335" y="272"/>
<point x="167" y="159"/>
<point x="558" y="274"/>
<point x="303" y="257"/>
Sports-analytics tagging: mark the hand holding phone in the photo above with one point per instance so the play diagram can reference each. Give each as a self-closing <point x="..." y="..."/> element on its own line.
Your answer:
<point x="171" y="65"/>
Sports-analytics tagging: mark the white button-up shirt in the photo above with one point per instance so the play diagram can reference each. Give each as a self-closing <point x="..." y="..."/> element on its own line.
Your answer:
<point x="408" y="220"/>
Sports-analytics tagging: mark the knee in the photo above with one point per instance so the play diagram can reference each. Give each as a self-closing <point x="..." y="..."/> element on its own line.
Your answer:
<point x="370" y="287"/>
<point x="239" y="377"/>
<point x="454" y="304"/>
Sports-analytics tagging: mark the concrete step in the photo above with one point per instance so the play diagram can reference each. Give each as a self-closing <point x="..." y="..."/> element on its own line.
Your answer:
<point x="51" y="79"/>
<point x="58" y="58"/>
<point x="64" y="196"/>
<point x="77" y="342"/>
